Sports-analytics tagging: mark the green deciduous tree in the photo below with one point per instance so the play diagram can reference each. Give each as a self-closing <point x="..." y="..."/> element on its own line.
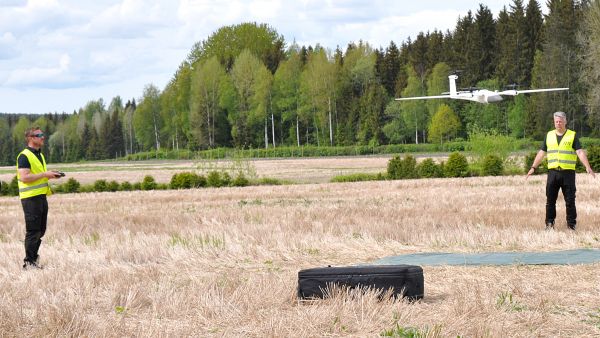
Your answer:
<point x="246" y="75"/>
<point x="444" y="125"/>
<point x="414" y="112"/>
<point x="437" y="83"/>
<point x="175" y="106"/>
<point x="286" y="87"/>
<point x="229" y="42"/>
<point x="205" y="102"/>
<point x="147" y="120"/>
<point x="317" y="86"/>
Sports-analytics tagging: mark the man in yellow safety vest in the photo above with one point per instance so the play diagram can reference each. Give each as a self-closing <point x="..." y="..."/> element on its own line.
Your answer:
<point x="33" y="179"/>
<point x="563" y="148"/>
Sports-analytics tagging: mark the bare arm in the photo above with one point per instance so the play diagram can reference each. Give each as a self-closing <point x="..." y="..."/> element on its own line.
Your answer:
<point x="536" y="162"/>
<point x="583" y="158"/>
<point x="26" y="176"/>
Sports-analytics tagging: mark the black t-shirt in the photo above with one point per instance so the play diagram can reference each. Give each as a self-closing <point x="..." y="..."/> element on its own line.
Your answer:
<point x="23" y="161"/>
<point x="576" y="143"/>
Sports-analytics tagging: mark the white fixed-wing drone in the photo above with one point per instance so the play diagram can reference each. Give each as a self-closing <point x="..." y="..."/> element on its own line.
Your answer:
<point x="478" y="95"/>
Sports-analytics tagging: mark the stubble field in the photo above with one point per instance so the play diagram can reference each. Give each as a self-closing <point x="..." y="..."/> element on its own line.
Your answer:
<point x="224" y="262"/>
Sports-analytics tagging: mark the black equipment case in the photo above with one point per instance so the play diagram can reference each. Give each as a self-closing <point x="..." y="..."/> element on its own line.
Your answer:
<point x="403" y="280"/>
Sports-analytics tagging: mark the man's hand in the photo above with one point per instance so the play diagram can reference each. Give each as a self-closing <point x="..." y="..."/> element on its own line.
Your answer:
<point x="51" y="174"/>
<point x="530" y="172"/>
<point x="590" y="171"/>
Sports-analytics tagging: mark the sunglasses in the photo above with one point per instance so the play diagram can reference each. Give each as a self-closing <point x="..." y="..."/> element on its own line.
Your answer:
<point x="38" y="135"/>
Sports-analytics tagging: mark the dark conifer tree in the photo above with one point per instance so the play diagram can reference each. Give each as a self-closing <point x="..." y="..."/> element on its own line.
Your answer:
<point x="390" y="68"/>
<point x="435" y="49"/>
<point x="533" y="34"/>
<point x="418" y="57"/>
<point x="464" y="49"/>
<point x="116" y="144"/>
<point x="483" y="47"/>
<point x="86" y="136"/>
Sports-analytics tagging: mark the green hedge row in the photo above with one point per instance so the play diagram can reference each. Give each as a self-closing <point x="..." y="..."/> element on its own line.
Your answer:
<point x="314" y="151"/>
<point x="184" y="180"/>
<point x="458" y="166"/>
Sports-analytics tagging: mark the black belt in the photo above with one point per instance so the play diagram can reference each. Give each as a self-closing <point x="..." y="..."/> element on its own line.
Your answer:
<point x="561" y="169"/>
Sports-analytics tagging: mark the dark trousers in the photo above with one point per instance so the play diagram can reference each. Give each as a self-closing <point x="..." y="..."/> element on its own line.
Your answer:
<point x="36" y="216"/>
<point x="564" y="180"/>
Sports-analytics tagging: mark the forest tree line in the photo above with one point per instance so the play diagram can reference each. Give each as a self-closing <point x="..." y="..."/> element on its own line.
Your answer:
<point x="245" y="87"/>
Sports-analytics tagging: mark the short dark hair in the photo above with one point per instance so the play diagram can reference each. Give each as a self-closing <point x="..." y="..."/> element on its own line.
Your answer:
<point x="30" y="132"/>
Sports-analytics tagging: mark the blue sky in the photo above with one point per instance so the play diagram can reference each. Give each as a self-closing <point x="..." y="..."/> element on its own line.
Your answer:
<point x="56" y="55"/>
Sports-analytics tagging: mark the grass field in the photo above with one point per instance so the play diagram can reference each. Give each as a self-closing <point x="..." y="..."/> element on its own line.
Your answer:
<point x="224" y="262"/>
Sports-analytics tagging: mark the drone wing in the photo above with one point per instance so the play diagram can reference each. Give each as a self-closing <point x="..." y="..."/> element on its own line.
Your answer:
<point x="513" y="92"/>
<point x="423" y="97"/>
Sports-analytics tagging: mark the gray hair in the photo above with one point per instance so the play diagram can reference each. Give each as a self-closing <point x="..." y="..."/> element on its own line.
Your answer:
<point x="561" y="115"/>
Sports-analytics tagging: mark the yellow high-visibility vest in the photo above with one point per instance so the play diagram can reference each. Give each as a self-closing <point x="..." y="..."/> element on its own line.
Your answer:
<point x="37" y="187"/>
<point x="561" y="155"/>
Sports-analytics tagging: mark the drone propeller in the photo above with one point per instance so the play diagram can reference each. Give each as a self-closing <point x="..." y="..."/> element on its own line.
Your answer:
<point x="470" y="89"/>
<point x="455" y="72"/>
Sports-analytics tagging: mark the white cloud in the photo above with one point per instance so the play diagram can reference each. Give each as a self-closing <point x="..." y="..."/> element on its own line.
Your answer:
<point x="54" y="76"/>
<point x="264" y="10"/>
<point x="12" y="3"/>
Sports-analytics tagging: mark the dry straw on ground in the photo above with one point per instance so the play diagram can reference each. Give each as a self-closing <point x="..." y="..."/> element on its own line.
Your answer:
<point x="224" y="262"/>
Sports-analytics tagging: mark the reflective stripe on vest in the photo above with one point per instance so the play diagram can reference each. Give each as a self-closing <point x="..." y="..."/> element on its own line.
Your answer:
<point x="561" y="155"/>
<point x="37" y="187"/>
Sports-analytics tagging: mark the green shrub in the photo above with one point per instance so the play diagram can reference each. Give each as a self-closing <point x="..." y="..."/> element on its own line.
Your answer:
<point x="269" y="181"/>
<point x="13" y="187"/>
<point x="579" y="167"/>
<point x="125" y="186"/>
<point x="162" y="186"/>
<point x="359" y="177"/>
<point x="187" y="180"/>
<point x="240" y="181"/>
<point x="593" y="155"/>
<point x="541" y="169"/>
<point x="148" y="183"/>
<point x="87" y="188"/>
<point x="394" y="167"/>
<point x="181" y="181"/>
<point x="492" y="165"/>
<point x="429" y="169"/>
<point x="71" y="185"/>
<point x="136" y="186"/>
<point x="457" y="165"/>
<point x="225" y="179"/>
<point x="402" y="168"/>
<point x="112" y="186"/>
<point x="100" y="185"/>
<point x="213" y="179"/>
<point x="3" y="188"/>
<point x="486" y="142"/>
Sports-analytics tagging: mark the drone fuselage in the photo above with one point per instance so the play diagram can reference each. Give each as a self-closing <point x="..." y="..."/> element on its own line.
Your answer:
<point x="481" y="96"/>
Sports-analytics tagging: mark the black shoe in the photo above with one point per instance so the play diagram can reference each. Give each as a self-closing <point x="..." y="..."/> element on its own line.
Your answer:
<point x="571" y="226"/>
<point x="31" y="266"/>
<point x="549" y="226"/>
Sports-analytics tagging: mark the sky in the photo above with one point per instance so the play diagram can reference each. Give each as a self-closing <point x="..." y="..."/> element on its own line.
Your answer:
<point x="57" y="55"/>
